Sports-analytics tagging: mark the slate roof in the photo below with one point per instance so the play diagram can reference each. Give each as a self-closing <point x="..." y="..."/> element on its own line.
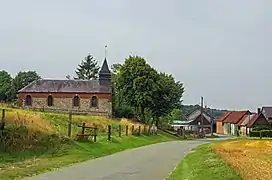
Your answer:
<point x="105" y="68"/>
<point x="267" y="111"/>
<point x="64" y="86"/>
<point x="235" y="116"/>
<point x="197" y="113"/>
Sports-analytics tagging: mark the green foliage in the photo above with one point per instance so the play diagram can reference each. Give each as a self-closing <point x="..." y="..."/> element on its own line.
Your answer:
<point x="167" y="95"/>
<point x="203" y="164"/>
<point x="140" y="89"/>
<point x="88" y="69"/>
<point x="22" y="79"/>
<point x="137" y="81"/>
<point x="5" y="85"/>
<point x="264" y="133"/>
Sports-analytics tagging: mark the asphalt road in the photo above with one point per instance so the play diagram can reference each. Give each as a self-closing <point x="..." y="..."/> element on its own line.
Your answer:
<point x="153" y="162"/>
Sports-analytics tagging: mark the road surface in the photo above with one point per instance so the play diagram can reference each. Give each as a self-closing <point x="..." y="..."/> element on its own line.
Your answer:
<point x="153" y="162"/>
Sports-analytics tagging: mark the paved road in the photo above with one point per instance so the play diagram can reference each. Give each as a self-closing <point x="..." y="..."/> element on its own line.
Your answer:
<point x="153" y="162"/>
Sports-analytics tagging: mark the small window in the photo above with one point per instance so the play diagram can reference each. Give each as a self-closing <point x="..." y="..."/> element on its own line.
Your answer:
<point x="94" y="101"/>
<point x="28" y="100"/>
<point x="76" y="101"/>
<point x="50" y="100"/>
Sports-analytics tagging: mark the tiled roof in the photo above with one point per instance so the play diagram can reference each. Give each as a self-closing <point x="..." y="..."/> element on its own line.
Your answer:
<point x="75" y="86"/>
<point x="254" y="119"/>
<point x="235" y="116"/>
<point x="245" y="120"/>
<point x="223" y="117"/>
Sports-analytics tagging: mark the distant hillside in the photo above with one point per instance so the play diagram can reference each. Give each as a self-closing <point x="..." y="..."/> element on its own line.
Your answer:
<point x="187" y="109"/>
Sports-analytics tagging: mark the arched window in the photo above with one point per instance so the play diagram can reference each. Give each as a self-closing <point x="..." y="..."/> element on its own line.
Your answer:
<point x="50" y="100"/>
<point x="76" y="101"/>
<point x="28" y="100"/>
<point x="94" y="101"/>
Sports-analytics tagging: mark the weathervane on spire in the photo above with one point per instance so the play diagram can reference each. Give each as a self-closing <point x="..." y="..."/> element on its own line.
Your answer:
<point x="106" y="51"/>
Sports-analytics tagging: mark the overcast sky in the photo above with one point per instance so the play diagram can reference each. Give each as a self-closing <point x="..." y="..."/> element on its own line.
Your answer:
<point x="219" y="49"/>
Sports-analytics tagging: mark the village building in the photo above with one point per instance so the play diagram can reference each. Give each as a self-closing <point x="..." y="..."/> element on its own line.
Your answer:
<point x="219" y="122"/>
<point x="242" y="124"/>
<point x="267" y="111"/>
<point x="77" y="96"/>
<point x="258" y="122"/>
<point x="227" y="123"/>
<point x="193" y="122"/>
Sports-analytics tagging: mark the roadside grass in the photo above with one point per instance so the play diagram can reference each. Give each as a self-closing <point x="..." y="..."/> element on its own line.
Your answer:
<point x="35" y="142"/>
<point x="203" y="164"/>
<point x="251" y="158"/>
<point x="16" y="166"/>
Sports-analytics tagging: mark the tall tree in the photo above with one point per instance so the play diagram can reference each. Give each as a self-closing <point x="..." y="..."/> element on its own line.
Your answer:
<point x="88" y="69"/>
<point x="120" y="107"/>
<point x="22" y="79"/>
<point x="137" y="79"/>
<point x="166" y="97"/>
<point x="5" y="85"/>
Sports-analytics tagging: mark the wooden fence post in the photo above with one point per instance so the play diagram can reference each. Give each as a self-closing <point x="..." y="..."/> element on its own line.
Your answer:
<point x="261" y="136"/>
<point x="83" y="128"/>
<point x="132" y="129"/>
<point x="95" y="133"/>
<point x="126" y="130"/>
<point x="70" y="124"/>
<point x="120" y="130"/>
<point x="139" y="130"/>
<point x="2" y="126"/>
<point x="109" y="132"/>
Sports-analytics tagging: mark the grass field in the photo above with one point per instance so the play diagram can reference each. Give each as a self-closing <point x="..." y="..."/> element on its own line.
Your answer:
<point x="203" y="164"/>
<point x="252" y="159"/>
<point x="36" y="142"/>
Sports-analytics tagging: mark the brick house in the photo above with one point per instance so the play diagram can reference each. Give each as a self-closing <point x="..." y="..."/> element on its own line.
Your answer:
<point x="79" y="96"/>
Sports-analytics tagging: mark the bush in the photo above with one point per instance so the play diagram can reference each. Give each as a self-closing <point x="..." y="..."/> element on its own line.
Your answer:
<point x="265" y="133"/>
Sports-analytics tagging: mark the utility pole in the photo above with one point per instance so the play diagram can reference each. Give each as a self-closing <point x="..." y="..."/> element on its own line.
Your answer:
<point x="201" y="117"/>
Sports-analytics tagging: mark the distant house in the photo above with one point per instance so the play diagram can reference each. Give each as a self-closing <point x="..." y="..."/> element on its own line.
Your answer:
<point x="258" y="122"/>
<point x="219" y="122"/>
<point x="227" y="123"/>
<point x="79" y="96"/>
<point x="242" y="124"/>
<point x="267" y="111"/>
<point x="193" y="121"/>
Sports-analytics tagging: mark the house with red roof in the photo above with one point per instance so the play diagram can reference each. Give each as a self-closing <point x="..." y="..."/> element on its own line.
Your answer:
<point x="227" y="123"/>
<point x="242" y="125"/>
<point x="219" y="123"/>
<point x="258" y="122"/>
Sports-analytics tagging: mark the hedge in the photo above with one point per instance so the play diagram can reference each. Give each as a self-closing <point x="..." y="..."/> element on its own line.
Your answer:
<point x="265" y="133"/>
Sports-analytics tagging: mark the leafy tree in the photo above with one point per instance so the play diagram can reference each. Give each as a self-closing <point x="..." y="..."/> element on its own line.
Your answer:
<point x="166" y="97"/>
<point x="22" y="79"/>
<point x="137" y="79"/>
<point x="5" y="85"/>
<point x="120" y="107"/>
<point x="88" y="69"/>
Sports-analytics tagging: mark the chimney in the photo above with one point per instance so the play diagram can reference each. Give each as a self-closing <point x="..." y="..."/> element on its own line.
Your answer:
<point x="259" y="110"/>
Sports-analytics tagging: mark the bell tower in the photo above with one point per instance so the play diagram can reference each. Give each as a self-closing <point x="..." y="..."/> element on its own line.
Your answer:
<point x="105" y="75"/>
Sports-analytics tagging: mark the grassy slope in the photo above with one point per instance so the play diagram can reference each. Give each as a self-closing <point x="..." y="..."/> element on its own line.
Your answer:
<point x="37" y="142"/>
<point x="203" y="164"/>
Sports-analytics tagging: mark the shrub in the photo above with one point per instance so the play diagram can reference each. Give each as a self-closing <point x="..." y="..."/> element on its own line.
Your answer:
<point x="265" y="133"/>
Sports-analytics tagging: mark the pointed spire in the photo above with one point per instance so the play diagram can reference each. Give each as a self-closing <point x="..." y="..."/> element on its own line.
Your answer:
<point x="105" y="68"/>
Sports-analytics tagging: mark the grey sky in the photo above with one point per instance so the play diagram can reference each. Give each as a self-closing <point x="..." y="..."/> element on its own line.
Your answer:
<point x="220" y="49"/>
